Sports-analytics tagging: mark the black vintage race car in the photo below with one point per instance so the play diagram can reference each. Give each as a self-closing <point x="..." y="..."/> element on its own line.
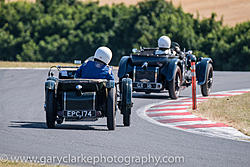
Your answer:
<point x="70" y="99"/>
<point x="151" y="72"/>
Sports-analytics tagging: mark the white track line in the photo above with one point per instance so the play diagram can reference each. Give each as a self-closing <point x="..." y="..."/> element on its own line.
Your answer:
<point x="169" y="107"/>
<point x="174" y="117"/>
<point x="159" y="112"/>
<point x="176" y="103"/>
<point x="224" y="132"/>
<point x="191" y="123"/>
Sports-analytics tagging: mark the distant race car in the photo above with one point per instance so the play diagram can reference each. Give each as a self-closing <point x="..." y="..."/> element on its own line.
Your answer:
<point x="152" y="72"/>
<point x="70" y="99"/>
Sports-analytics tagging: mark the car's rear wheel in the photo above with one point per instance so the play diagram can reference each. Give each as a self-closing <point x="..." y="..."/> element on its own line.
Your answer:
<point x="206" y="87"/>
<point x="175" y="85"/>
<point x="111" y="109"/>
<point x="50" y="109"/>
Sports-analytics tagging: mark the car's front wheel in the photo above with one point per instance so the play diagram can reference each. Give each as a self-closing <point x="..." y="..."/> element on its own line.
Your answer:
<point x="175" y="85"/>
<point x="111" y="109"/>
<point x="126" y="97"/>
<point x="50" y="109"/>
<point x="126" y="117"/>
<point x="206" y="87"/>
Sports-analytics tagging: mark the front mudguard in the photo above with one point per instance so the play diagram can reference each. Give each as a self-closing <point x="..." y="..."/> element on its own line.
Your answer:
<point x="126" y="95"/>
<point x="50" y="85"/>
<point x="201" y="70"/>
<point x="169" y="69"/>
<point x="124" y="67"/>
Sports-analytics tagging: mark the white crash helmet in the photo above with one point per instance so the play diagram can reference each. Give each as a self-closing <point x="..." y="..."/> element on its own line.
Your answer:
<point x="103" y="54"/>
<point x="164" y="42"/>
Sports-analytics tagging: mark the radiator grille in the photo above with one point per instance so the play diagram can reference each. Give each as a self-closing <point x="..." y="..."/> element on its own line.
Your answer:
<point x="149" y="74"/>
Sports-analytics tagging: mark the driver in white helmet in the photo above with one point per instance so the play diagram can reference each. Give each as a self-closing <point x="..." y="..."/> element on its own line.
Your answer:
<point x="97" y="69"/>
<point x="164" y="44"/>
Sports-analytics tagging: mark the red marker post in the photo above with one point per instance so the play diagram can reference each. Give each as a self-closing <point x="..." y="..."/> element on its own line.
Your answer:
<point x="194" y="106"/>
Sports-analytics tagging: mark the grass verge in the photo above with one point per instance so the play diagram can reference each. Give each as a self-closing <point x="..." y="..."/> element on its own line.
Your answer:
<point x="20" y="164"/>
<point x="9" y="64"/>
<point x="233" y="111"/>
<point x="14" y="64"/>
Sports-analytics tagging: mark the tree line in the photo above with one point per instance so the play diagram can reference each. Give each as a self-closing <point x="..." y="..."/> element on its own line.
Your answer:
<point x="64" y="30"/>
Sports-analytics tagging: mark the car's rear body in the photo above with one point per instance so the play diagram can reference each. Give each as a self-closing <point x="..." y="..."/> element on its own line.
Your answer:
<point x="147" y="70"/>
<point x="85" y="104"/>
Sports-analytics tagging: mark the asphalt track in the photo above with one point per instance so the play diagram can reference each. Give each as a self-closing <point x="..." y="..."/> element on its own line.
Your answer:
<point x="23" y="131"/>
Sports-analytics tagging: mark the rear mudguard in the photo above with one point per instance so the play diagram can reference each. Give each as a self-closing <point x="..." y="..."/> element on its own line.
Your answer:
<point x="169" y="69"/>
<point x="201" y="70"/>
<point x="126" y="93"/>
<point x="124" y="66"/>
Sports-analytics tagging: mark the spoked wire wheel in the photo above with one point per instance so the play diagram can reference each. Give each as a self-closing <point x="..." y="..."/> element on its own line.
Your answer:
<point x="175" y="84"/>
<point x="206" y="87"/>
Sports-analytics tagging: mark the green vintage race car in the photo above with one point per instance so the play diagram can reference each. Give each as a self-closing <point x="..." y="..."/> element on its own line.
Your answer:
<point x="70" y="99"/>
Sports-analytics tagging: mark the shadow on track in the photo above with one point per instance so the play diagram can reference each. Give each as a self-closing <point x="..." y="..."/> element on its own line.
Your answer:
<point x="42" y="125"/>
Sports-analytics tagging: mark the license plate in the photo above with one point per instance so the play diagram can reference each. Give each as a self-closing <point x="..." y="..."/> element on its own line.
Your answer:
<point x="80" y="114"/>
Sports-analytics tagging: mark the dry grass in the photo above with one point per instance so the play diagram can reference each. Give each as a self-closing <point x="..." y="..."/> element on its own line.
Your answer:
<point x="7" y="64"/>
<point x="19" y="164"/>
<point x="233" y="111"/>
<point x="14" y="64"/>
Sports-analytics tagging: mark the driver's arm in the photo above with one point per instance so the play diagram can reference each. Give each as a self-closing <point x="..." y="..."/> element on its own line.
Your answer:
<point x="110" y="75"/>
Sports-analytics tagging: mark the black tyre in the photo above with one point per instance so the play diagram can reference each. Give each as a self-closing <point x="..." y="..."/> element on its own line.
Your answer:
<point x="50" y="109"/>
<point x="111" y="109"/>
<point x="206" y="87"/>
<point x="126" y="117"/>
<point x="175" y="85"/>
<point x="126" y="101"/>
<point x="120" y="85"/>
